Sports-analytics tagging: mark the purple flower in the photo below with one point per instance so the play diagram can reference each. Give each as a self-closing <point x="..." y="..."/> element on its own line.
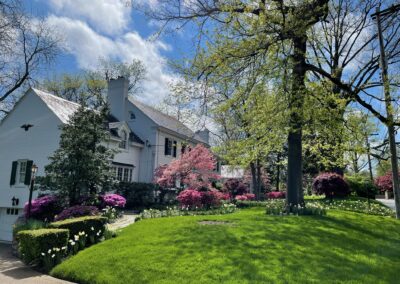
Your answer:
<point x="113" y="200"/>
<point x="77" y="211"/>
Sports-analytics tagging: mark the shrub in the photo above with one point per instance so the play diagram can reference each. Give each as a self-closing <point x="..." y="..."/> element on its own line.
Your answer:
<point x="113" y="200"/>
<point x="30" y="224"/>
<point x="361" y="186"/>
<point x="34" y="244"/>
<point x="235" y="187"/>
<point x="44" y="208"/>
<point x="331" y="184"/>
<point x="190" y="198"/>
<point x="385" y="182"/>
<point x="137" y="194"/>
<point x="77" y="211"/>
<point x="211" y="199"/>
<point x="250" y="196"/>
<point x="81" y="224"/>
<point x="276" y="195"/>
<point x="241" y="197"/>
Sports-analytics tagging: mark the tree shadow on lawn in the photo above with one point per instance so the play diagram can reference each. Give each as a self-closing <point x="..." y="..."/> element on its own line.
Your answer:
<point x="291" y="248"/>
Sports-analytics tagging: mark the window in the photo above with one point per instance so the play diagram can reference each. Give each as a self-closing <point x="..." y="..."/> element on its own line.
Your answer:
<point x="21" y="171"/>
<point x="12" y="211"/>
<point x="124" y="137"/>
<point x="132" y="115"/>
<point x="119" y="175"/>
<point x="168" y="147"/>
<point x="126" y="174"/>
<point x="183" y="148"/>
<point x="123" y="173"/>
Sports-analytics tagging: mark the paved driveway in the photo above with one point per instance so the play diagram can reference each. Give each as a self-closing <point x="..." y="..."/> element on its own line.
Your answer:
<point x="12" y="270"/>
<point x="388" y="202"/>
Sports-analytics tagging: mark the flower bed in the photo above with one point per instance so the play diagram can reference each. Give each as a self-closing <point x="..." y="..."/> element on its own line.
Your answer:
<point x="174" y="211"/>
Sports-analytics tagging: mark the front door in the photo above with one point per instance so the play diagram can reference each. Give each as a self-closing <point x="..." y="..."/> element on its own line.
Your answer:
<point x="8" y="217"/>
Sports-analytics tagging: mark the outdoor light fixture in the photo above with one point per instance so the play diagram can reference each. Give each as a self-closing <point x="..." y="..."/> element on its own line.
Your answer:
<point x="34" y="171"/>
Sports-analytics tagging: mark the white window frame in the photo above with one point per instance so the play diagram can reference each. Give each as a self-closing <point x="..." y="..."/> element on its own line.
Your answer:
<point x="18" y="181"/>
<point x="126" y="173"/>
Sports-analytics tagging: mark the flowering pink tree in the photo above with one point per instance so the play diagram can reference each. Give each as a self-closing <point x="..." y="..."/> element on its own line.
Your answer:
<point x="385" y="182"/>
<point x="194" y="169"/>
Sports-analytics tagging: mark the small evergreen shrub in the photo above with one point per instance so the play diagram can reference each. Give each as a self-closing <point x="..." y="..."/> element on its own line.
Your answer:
<point x="137" y="194"/>
<point x="361" y="186"/>
<point x="30" y="224"/>
<point x="81" y="224"/>
<point x="33" y="245"/>
<point x="44" y="208"/>
<point x="77" y="211"/>
<point x="331" y="184"/>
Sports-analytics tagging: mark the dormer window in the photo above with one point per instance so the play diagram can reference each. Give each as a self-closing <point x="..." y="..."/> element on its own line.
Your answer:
<point x="124" y="138"/>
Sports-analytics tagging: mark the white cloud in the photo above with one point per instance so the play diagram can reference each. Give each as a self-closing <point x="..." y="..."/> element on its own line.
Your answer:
<point x="105" y="16"/>
<point x="88" y="46"/>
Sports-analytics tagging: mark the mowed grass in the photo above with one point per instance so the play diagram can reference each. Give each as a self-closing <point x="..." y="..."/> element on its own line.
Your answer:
<point x="343" y="247"/>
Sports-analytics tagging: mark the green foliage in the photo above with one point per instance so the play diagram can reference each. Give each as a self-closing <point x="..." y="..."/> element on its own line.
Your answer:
<point x="32" y="243"/>
<point x="81" y="224"/>
<point x="174" y="211"/>
<point x="278" y="207"/>
<point x="137" y="194"/>
<point x="362" y="186"/>
<point x="342" y="247"/>
<point x="30" y="224"/>
<point x="80" y="167"/>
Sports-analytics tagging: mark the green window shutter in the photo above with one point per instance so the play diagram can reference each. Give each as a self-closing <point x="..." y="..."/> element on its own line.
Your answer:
<point x="13" y="172"/>
<point x="28" y="172"/>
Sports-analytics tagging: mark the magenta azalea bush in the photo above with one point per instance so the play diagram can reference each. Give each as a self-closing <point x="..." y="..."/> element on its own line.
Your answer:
<point x="246" y="196"/>
<point x="194" y="199"/>
<point x="235" y="187"/>
<point x="385" y="182"/>
<point x="44" y="208"/>
<point x="113" y="200"/>
<point x="190" y="198"/>
<point x="77" y="211"/>
<point x="331" y="184"/>
<point x="276" y="195"/>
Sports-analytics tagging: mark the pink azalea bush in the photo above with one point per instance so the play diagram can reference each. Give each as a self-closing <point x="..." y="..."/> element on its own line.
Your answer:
<point x="246" y="196"/>
<point x="77" y="211"/>
<point x="44" y="208"/>
<point x="385" y="182"/>
<point x="276" y="195"/>
<point x="194" y="199"/>
<point x="113" y="200"/>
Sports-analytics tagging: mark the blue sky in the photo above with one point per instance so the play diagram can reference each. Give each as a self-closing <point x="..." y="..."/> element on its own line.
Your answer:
<point x="110" y="29"/>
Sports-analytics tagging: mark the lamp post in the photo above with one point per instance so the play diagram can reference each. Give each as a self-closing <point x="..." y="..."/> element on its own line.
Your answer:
<point x="34" y="171"/>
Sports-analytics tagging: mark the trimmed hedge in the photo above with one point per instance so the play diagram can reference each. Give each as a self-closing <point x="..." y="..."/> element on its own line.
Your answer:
<point x="138" y="194"/>
<point x="362" y="186"/>
<point x="31" y="243"/>
<point x="81" y="224"/>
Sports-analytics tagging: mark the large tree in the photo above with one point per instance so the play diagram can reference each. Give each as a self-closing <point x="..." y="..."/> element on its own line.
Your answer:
<point x="243" y="33"/>
<point x="81" y="165"/>
<point x="26" y="44"/>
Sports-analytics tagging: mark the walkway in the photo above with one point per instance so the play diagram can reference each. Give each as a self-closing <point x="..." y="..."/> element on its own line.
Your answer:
<point x="126" y="219"/>
<point x="12" y="270"/>
<point x="388" y="202"/>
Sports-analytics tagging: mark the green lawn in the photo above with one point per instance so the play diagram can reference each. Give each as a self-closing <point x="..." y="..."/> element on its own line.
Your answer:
<point x="343" y="247"/>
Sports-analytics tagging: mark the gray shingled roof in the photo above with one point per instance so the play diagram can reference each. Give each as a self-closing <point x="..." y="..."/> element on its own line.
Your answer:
<point x="64" y="109"/>
<point x="166" y="121"/>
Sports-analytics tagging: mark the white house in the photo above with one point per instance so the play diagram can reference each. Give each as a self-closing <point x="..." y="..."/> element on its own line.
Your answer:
<point x="145" y="138"/>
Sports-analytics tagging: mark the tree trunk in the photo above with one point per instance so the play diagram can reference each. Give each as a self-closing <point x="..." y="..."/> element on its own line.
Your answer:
<point x="294" y="181"/>
<point x="278" y="172"/>
<point x="253" y="177"/>
<point x="258" y="178"/>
